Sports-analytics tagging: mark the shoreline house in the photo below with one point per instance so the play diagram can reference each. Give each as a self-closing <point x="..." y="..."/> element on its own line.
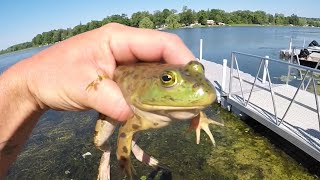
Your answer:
<point x="210" y="22"/>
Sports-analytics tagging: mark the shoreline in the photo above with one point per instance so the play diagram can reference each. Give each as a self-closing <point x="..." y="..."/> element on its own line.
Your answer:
<point x="187" y="27"/>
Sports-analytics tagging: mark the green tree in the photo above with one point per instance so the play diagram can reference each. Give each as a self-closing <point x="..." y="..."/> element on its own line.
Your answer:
<point x="56" y="36"/>
<point x="202" y="17"/>
<point x="37" y="40"/>
<point x="79" y="29"/>
<point x="242" y="17"/>
<point x="122" y="19"/>
<point x="94" y="25"/>
<point x="216" y="15"/>
<point x="260" y="17"/>
<point x="47" y="37"/>
<point x="65" y="34"/>
<point x="172" y="21"/>
<point x="137" y="17"/>
<point x="146" y="23"/>
<point x="302" y="22"/>
<point x="271" y="19"/>
<point x="235" y="19"/>
<point x="165" y="14"/>
<point x="186" y="16"/>
<point x="173" y="11"/>
<point x="158" y="19"/>
<point x="293" y="19"/>
<point x="279" y="19"/>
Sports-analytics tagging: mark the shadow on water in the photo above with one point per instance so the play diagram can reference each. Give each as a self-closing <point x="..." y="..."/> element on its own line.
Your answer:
<point x="245" y="150"/>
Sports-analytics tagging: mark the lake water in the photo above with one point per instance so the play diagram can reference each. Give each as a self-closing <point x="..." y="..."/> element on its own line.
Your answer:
<point x="245" y="149"/>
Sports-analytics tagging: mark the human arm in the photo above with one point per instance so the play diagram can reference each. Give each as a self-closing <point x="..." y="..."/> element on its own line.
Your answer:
<point x="57" y="77"/>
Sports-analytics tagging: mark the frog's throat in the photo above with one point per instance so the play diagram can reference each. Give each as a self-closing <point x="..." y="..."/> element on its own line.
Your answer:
<point x="166" y="115"/>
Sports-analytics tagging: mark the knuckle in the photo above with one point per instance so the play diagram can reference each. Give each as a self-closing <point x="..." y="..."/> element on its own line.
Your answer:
<point x="174" y="38"/>
<point x="113" y="27"/>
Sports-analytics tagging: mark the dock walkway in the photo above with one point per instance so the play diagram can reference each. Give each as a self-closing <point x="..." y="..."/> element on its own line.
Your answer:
<point x="300" y="125"/>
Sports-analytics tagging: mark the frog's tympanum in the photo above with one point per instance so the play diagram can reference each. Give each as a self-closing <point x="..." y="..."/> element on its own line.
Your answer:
<point x="159" y="94"/>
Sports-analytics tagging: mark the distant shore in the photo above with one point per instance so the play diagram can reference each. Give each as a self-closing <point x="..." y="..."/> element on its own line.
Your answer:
<point x="184" y="27"/>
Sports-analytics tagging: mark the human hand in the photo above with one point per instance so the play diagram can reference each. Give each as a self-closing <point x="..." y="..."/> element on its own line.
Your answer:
<point x="61" y="73"/>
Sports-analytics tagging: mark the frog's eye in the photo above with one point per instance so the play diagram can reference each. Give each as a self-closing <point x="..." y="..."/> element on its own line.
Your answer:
<point x="195" y="66"/>
<point x="168" y="78"/>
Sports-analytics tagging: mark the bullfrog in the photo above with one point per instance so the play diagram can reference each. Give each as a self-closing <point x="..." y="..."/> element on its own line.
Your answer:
<point x="159" y="94"/>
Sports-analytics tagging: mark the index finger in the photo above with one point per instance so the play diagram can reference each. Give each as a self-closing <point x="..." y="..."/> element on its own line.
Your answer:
<point x="130" y="44"/>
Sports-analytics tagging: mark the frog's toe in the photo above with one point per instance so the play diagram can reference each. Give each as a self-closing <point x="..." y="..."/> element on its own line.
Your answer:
<point x="202" y="122"/>
<point x="126" y="165"/>
<point x="205" y="127"/>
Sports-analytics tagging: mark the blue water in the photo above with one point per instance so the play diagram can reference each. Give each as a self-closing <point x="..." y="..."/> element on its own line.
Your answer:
<point x="219" y="42"/>
<point x="7" y="60"/>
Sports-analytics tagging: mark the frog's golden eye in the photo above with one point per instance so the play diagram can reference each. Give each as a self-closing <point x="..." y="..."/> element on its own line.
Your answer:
<point x="168" y="78"/>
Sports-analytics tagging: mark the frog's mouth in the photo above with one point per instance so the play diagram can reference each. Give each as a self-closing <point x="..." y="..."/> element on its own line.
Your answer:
<point x="176" y="112"/>
<point x="149" y="107"/>
<point x="166" y="115"/>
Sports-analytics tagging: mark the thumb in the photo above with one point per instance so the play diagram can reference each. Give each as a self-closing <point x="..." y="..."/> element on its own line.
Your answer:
<point x="107" y="98"/>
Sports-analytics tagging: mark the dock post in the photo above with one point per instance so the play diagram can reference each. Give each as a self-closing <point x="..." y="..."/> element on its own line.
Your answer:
<point x="290" y="46"/>
<point x="224" y="74"/>
<point x="200" y="56"/>
<point x="264" y="75"/>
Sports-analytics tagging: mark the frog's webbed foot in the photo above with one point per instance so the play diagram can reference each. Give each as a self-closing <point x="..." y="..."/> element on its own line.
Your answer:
<point x="202" y="122"/>
<point x="95" y="82"/>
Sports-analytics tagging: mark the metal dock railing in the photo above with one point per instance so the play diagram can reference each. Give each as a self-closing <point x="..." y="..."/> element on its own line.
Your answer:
<point x="292" y="112"/>
<point x="289" y="110"/>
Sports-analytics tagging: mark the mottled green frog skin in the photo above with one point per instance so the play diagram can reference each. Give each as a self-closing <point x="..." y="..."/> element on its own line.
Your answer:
<point x="142" y="86"/>
<point x="158" y="95"/>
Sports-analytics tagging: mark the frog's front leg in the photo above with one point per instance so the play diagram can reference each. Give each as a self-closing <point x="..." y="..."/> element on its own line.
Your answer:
<point x="104" y="129"/>
<point x="202" y="122"/>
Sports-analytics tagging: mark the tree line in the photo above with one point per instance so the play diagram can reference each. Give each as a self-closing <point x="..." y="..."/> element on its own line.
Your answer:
<point x="169" y="19"/>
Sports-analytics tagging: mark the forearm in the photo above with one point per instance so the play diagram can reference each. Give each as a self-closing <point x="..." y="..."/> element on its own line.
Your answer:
<point x="19" y="112"/>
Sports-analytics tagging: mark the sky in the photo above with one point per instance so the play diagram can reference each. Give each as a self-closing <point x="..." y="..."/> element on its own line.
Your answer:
<point x="21" y="20"/>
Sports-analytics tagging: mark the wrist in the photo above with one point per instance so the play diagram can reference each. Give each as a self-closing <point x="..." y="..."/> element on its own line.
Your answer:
<point x="15" y="88"/>
<point x="19" y="111"/>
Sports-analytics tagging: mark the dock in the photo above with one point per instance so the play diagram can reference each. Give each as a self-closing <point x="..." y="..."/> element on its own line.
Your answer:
<point x="291" y="112"/>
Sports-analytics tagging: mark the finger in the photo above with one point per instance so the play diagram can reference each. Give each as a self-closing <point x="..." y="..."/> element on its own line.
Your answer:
<point x="107" y="99"/>
<point x="130" y="44"/>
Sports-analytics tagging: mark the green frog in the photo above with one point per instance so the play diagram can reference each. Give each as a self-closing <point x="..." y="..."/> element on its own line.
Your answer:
<point x="159" y="94"/>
